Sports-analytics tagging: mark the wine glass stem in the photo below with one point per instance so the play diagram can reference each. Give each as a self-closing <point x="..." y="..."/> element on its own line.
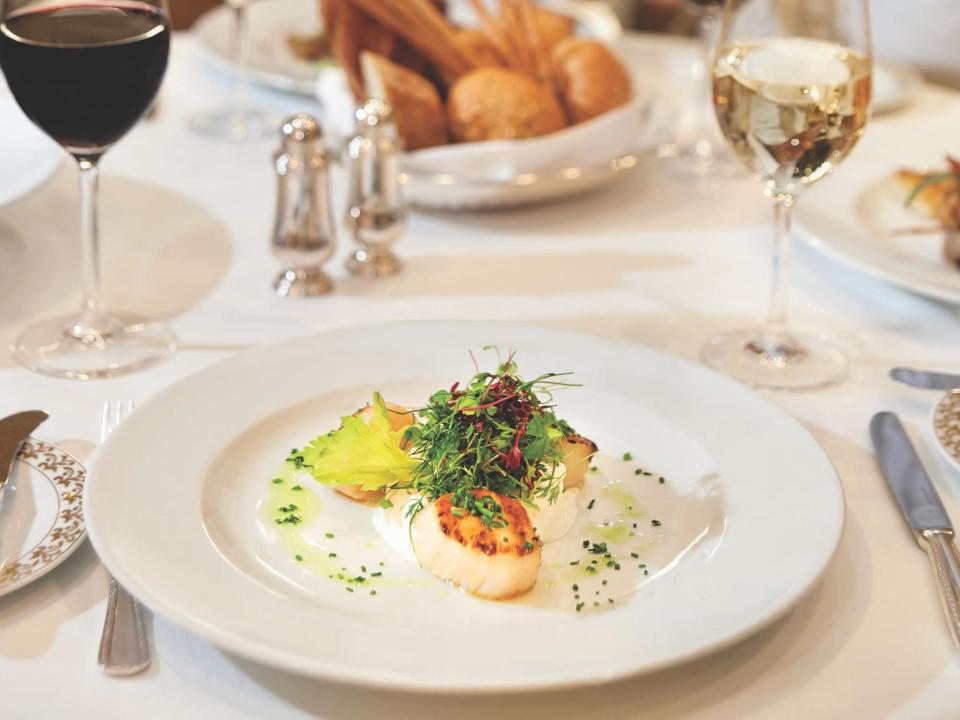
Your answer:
<point x="240" y="95"/>
<point x="87" y="325"/>
<point x="776" y="330"/>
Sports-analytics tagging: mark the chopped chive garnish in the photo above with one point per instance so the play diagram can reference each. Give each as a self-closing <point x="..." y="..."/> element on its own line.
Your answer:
<point x="277" y="481"/>
<point x="329" y="536"/>
<point x="298" y="557"/>
<point x="590" y="504"/>
<point x="627" y="457"/>
<point x="656" y="523"/>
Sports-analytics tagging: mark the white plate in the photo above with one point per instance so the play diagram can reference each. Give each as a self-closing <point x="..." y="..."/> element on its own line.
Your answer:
<point x="29" y="156"/>
<point x="41" y="515"/>
<point x="852" y="216"/>
<point x="174" y="514"/>
<point x="271" y="22"/>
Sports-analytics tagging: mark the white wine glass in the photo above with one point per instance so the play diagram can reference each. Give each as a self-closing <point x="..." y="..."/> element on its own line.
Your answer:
<point x="237" y="119"/>
<point x="791" y="90"/>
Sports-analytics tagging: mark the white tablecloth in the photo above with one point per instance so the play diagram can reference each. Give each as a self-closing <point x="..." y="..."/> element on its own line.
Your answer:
<point x="651" y="260"/>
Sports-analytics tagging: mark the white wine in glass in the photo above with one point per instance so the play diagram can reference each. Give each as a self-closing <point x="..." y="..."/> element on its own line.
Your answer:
<point x="791" y="90"/>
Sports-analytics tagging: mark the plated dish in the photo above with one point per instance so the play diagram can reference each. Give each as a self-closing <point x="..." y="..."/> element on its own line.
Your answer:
<point x="728" y="510"/>
<point x="864" y="219"/>
<point x="41" y="514"/>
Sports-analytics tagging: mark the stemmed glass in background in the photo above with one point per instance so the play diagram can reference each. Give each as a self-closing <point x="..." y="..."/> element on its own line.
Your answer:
<point x="236" y="120"/>
<point x="791" y="89"/>
<point x="84" y="71"/>
<point x="698" y="151"/>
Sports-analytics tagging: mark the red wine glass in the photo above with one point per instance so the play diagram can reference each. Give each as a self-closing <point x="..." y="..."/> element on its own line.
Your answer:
<point x="85" y="71"/>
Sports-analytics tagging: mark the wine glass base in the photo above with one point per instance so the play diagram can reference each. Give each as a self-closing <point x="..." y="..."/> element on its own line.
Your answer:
<point x="235" y="125"/>
<point x="701" y="160"/>
<point x="792" y="362"/>
<point x="124" y="343"/>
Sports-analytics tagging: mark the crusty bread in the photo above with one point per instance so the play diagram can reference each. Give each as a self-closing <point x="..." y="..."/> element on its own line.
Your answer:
<point x="590" y="78"/>
<point x="417" y="108"/>
<point x="554" y="27"/>
<point x="500" y="104"/>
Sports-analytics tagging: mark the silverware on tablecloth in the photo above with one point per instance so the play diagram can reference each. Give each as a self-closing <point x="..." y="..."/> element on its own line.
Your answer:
<point x="376" y="213"/>
<point x="123" y="644"/>
<point x="304" y="234"/>
<point x="925" y="379"/>
<point x="14" y="429"/>
<point x="922" y="508"/>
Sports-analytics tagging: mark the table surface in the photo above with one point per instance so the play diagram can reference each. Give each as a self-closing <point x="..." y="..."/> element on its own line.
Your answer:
<point x="652" y="260"/>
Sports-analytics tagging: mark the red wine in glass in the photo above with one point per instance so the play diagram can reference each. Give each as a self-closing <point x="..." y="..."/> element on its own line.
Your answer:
<point x="85" y="74"/>
<point x="84" y="71"/>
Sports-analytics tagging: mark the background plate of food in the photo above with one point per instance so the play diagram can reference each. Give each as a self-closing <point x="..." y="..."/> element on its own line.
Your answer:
<point x="379" y="506"/>
<point x="289" y="45"/>
<point x="865" y="220"/>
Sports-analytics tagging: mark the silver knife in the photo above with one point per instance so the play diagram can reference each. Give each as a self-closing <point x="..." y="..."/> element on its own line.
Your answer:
<point x="14" y="429"/>
<point x="925" y="379"/>
<point x="921" y="506"/>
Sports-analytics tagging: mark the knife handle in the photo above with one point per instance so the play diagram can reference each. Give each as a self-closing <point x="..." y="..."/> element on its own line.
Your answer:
<point x="945" y="560"/>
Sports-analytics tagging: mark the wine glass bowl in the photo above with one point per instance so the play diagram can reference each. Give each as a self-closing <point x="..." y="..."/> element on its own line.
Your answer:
<point x="791" y="91"/>
<point x="84" y="71"/>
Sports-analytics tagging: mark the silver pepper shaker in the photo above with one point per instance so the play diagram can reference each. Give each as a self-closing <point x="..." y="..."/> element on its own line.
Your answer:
<point x="376" y="214"/>
<point x="304" y="234"/>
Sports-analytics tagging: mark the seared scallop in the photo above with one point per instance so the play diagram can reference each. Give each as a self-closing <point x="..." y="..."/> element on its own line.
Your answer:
<point x="576" y="452"/>
<point x="492" y="562"/>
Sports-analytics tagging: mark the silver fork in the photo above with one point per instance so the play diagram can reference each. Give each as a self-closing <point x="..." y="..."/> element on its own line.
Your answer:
<point x="123" y="644"/>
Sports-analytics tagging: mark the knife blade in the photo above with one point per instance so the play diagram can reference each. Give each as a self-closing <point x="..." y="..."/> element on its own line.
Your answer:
<point x="922" y="508"/>
<point x="925" y="379"/>
<point x="14" y="429"/>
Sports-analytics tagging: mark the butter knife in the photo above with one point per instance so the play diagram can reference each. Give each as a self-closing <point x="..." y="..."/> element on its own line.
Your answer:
<point x="14" y="429"/>
<point x="925" y="379"/>
<point x="922" y="508"/>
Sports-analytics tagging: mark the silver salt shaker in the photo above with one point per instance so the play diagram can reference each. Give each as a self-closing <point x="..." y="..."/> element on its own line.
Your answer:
<point x="376" y="214"/>
<point x="304" y="234"/>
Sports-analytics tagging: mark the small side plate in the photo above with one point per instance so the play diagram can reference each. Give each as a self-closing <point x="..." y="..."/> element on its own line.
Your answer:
<point x="946" y="427"/>
<point x="41" y="514"/>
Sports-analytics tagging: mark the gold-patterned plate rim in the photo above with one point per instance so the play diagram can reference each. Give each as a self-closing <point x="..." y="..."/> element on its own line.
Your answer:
<point x="946" y="425"/>
<point x="66" y="475"/>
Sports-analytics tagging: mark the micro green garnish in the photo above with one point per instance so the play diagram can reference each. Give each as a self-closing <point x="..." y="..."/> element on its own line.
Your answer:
<point x="579" y="606"/>
<point x="497" y="432"/>
<point x="627" y="457"/>
<point x="289" y="520"/>
<point x="297" y="488"/>
<point x="287" y="508"/>
<point x="296" y="457"/>
<point x="385" y="504"/>
<point x="591" y="569"/>
<point x="597" y="548"/>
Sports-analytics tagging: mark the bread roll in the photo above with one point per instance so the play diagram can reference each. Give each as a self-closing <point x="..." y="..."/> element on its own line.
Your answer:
<point x="553" y="26"/>
<point x="417" y="108"/>
<point x="590" y="78"/>
<point x="500" y="104"/>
